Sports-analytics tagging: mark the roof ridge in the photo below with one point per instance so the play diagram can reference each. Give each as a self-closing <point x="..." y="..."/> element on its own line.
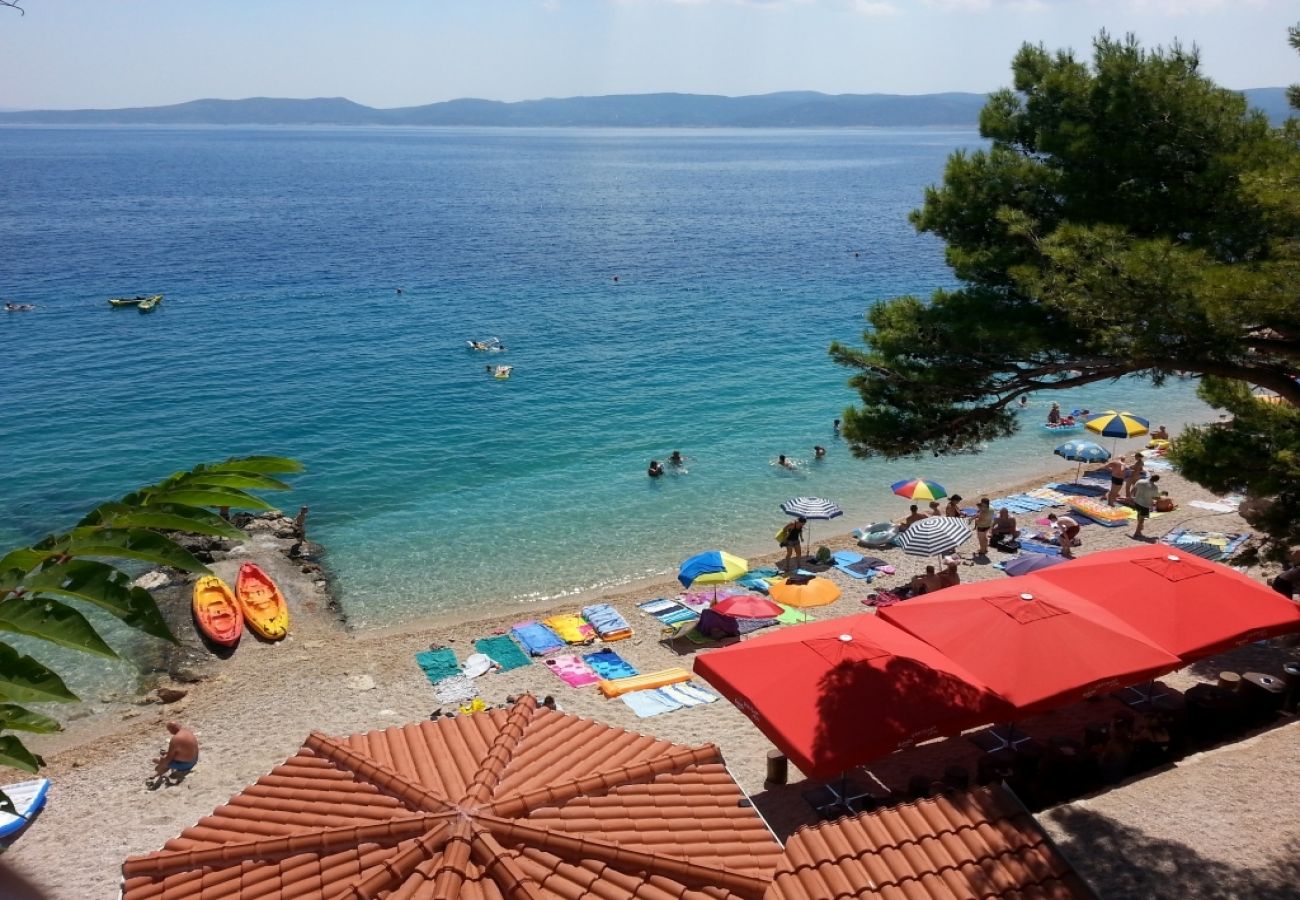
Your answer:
<point x="393" y="872"/>
<point x="682" y="871"/>
<point x="676" y="760"/>
<point x="491" y="856"/>
<point x="451" y="871"/>
<point x="414" y="796"/>
<point x="500" y="752"/>
<point x="321" y="840"/>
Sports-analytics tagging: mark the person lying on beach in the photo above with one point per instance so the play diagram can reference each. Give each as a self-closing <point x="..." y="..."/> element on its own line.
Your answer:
<point x="923" y="584"/>
<point x="914" y="516"/>
<point x="182" y="753"/>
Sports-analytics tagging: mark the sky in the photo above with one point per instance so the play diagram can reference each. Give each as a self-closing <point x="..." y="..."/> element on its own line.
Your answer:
<point x="67" y="54"/>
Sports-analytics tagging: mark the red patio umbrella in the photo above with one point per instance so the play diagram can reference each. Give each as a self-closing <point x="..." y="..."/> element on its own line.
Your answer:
<point x="833" y="695"/>
<point x="1182" y="603"/>
<point x="1034" y="643"/>
<point x="748" y="606"/>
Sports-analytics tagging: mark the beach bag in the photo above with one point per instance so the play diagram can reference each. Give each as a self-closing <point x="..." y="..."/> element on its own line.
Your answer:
<point x="783" y="534"/>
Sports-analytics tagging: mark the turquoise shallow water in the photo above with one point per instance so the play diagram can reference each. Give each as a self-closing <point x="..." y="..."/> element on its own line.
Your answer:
<point x="740" y="256"/>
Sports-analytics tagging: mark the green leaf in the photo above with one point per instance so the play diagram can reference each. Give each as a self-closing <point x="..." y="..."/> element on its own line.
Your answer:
<point x="237" y="480"/>
<point x="266" y="465"/>
<point x="50" y="620"/>
<point x="107" y="588"/>
<point x="24" y="680"/>
<point x="16" y="718"/>
<point x="163" y="517"/>
<point x="24" y="559"/>
<point x="132" y="543"/>
<point x="208" y="496"/>
<point x="13" y="753"/>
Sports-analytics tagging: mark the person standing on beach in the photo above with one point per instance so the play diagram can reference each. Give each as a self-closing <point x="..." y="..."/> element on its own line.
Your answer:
<point x="1144" y="499"/>
<point x="1133" y="475"/>
<point x="952" y="510"/>
<point x="983" y="522"/>
<point x="1067" y="529"/>
<point x="1116" y="469"/>
<point x="792" y="541"/>
<point x="182" y="753"/>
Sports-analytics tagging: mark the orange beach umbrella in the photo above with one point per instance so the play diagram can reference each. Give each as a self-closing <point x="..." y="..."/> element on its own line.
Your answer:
<point x="814" y="592"/>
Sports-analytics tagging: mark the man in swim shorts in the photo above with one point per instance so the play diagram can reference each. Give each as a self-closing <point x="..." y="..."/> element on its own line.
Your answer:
<point x="1067" y="529"/>
<point x="1116" y="469"/>
<point x="182" y="751"/>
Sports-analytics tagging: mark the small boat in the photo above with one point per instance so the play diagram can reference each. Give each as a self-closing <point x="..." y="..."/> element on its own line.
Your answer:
<point x="261" y="602"/>
<point x="27" y="797"/>
<point x="216" y="614"/>
<point x="133" y="301"/>
<point x="19" y="307"/>
<point x="148" y="303"/>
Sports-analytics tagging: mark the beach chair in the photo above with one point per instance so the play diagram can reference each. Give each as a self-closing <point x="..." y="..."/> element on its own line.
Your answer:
<point x="669" y="634"/>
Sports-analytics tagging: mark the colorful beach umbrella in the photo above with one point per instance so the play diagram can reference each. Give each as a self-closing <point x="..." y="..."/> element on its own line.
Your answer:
<point x="836" y="694"/>
<point x="933" y="535"/>
<point x="1082" y="452"/>
<point x="815" y="591"/>
<point x="748" y="606"/>
<point x="919" y="489"/>
<point x="711" y="567"/>
<point x="1117" y="425"/>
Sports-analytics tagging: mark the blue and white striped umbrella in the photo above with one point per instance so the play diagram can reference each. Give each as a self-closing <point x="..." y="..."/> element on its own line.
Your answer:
<point x="934" y="535"/>
<point x="1082" y="451"/>
<point x="811" y="508"/>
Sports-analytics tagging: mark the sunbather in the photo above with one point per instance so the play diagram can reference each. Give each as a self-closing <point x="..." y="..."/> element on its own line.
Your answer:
<point x="914" y="516"/>
<point x="1005" y="532"/>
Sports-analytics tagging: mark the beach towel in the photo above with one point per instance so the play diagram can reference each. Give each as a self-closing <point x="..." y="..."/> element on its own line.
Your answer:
<point x="649" y="703"/>
<point x="766" y="572"/>
<point x="688" y="693"/>
<point x="456" y="689"/>
<point x="536" y="638"/>
<point x="608" y="622"/>
<point x="1212" y="545"/>
<point x="754" y="583"/>
<point x="792" y="616"/>
<point x="882" y="599"/>
<point x="862" y="569"/>
<point x="438" y="664"/>
<point x="503" y="651"/>
<point x="609" y="665"/>
<point x="668" y="612"/>
<point x="572" y="670"/>
<point x="570" y="628"/>
<point x="1213" y="506"/>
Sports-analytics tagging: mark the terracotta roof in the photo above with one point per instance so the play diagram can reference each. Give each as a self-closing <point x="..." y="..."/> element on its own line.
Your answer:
<point x="976" y="844"/>
<point x="500" y="805"/>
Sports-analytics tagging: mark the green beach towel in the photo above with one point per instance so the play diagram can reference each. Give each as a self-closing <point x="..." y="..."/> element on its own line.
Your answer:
<point x="503" y="650"/>
<point x="438" y="664"/>
<point x="792" y="616"/>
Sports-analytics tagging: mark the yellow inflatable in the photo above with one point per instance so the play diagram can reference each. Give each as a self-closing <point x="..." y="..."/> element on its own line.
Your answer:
<point x="621" y="686"/>
<point x="1158" y="444"/>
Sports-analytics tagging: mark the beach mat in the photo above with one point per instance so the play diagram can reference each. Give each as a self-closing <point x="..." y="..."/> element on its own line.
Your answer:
<point x="438" y="664"/>
<point x="609" y="665"/>
<point x="792" y="616"/>
<point x="668" y="612"/>
<point x="503" y="651"/>
<point x="572" y="670"/>
<point x="536" y="638"/>
<point x="456" y="689"/>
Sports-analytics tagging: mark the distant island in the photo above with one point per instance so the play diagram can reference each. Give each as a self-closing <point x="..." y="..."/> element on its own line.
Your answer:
<point x="791" y="109"/>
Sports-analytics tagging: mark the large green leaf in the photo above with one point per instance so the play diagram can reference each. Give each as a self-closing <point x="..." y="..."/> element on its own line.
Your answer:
<point x="24" y="680"/>
<point x="15" y="718"/>
<point x="129" y="543"/>
<point x="163" y="517"/>
<point x="24" y="559"/>
<point x="53" y="621"/>
<point x="13" y="753"/>
<point x="245" y="481"/>
<point x="208" y="496"/>
<point x="265" y="465"/>
<point x="107" y="588"/>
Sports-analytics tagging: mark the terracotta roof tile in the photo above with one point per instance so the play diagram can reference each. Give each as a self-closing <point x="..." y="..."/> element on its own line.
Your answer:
<point x="976" y="845"/>
<point x="518" y="804"/>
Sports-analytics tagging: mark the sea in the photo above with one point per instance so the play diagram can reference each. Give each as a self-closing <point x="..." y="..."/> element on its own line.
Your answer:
<point x="656" y="290"/>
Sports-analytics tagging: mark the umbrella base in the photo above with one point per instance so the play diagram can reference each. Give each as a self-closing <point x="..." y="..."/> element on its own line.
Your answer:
<point x="1000" y="737"/>
<point x="840" y="798"/>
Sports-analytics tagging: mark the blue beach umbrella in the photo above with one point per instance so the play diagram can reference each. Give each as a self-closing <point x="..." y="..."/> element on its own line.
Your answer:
<point x="1082" y="452"/>
<point x="711" y="567"/>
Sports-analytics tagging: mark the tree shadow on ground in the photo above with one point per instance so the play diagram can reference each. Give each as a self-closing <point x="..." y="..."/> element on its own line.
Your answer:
<point x="1122" y="863"/>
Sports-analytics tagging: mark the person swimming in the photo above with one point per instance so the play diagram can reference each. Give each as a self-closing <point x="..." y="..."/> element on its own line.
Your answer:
<point x="655" y="470"/>
<point x="785" y="463"/>
<point x="819" y="452"/>
<point x="676" y="458"/>
<point x="1024" y="401"/>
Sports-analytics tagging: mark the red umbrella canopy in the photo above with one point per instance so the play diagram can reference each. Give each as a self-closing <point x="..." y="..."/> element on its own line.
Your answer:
<point x="833" y="695"/>
<point x="1184" y="604"/>
<point x="748" y="606"/>
<point x="1032" y="642"/>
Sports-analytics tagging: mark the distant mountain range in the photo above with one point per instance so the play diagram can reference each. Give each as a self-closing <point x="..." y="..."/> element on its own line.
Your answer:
<point x="791" y="109"/>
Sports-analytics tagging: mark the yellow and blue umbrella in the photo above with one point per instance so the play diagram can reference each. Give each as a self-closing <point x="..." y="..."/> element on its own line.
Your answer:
<point x="1117" y="425"/>
<point x="711" y="567"/>
<point x="919" y="489"/>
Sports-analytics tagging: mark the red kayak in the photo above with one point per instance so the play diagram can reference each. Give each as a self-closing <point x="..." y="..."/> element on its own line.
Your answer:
<point x="216" y="613"/>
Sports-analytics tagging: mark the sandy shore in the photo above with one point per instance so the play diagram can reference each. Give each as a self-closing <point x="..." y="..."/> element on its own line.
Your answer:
<point x="254" y="709"/>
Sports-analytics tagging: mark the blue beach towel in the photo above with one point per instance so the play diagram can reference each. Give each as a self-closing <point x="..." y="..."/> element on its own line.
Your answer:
<point x="609" y="665"/>
<point x="503" y="651"/>
<point x="438" y="664"/>
<point x="754" y="583"/>
<point x="606" y="620"/>
<point x="649" y="703"/>
<point x="536" y="638"/>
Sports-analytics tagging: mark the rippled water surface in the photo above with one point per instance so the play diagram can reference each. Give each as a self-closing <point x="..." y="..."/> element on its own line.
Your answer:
<point x="740" y="256"/>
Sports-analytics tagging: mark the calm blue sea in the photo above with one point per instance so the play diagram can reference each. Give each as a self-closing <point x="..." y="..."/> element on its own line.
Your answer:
<point x="739" y="256"/>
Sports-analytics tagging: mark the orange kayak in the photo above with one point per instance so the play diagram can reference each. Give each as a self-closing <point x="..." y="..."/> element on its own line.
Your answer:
<point x="215" y="612"/>
<point x="261" y="602"/>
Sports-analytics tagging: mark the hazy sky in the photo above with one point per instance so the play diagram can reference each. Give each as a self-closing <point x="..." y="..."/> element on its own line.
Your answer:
<point x="102" y="53"/>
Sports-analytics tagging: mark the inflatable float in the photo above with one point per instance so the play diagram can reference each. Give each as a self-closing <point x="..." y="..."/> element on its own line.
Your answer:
<point x="27" y="797"/>
<point x="621" y="686"/>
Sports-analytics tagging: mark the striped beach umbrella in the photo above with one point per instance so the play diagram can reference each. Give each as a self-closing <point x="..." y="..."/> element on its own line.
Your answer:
<point x="1082" y="452"/>
<point x="1113" y="424"/>
<point x="919" y="489"/>
<point x="712" y="567"/>
<point x="811" y="508"/>
<point x="934" y="536"/>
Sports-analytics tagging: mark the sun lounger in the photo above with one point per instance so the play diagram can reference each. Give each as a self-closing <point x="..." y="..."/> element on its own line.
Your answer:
<point x="536" y="638"/>
<point x="503" y="651"/>
<point x="670" y="633"/>
<point x="572" y="670"/>
<point x="570" y="628"/>
<point x="621" y="686"/>
<point x="438" y="664"/>
<point x="608" y="622"/>
<point x="609" y="665"/>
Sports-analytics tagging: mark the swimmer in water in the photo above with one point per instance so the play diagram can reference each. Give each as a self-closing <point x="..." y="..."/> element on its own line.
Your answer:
<point x="819" y="452"/>
<point x="676" y="458"/>
<point x="655" y="469"/>
<point x="784" y="463"/>
<point x="1024" y="401"/>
